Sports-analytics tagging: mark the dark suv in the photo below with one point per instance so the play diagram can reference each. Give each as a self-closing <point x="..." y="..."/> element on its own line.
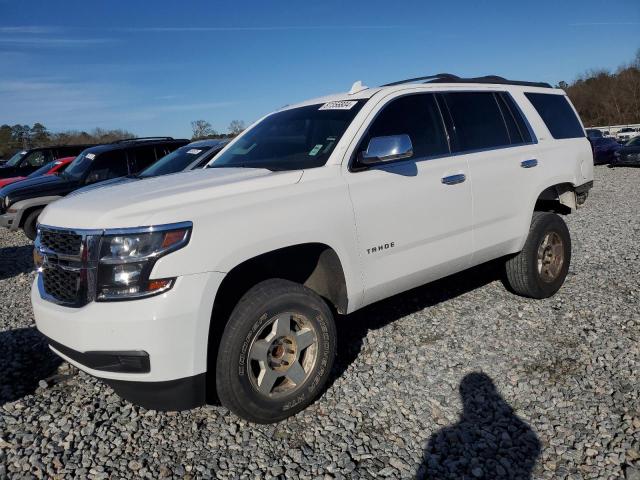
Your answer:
<point x="25" y="162"/>
<point x="22" y="202"/>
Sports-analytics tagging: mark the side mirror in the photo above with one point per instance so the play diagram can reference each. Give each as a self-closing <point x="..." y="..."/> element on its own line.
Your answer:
<point x="387" y="149"/>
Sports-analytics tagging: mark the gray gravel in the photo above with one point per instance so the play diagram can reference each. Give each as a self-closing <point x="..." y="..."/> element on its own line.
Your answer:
<point x="459" y="379"/>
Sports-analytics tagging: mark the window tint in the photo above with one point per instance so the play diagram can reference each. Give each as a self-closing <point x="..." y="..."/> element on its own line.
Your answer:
<point x="478" y="121"/>
<point x="108" y="165"/>
<point x="525" y="133"/>
<point x="557" y="115"/>
<point x="143" y="157"/>
<point x="417" y="116"/>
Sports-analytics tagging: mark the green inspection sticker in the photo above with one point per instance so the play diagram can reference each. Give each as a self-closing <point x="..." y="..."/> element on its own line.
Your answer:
<point x="315" y="150"/>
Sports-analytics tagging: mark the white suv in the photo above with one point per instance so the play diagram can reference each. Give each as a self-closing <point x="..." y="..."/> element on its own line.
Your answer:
<point x="229" y="279"/>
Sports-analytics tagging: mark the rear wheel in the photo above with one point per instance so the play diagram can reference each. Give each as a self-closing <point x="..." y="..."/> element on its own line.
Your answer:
<point x="276" y="351"/>
<point x="31" y="223"/>
<point x="540" y="269"/>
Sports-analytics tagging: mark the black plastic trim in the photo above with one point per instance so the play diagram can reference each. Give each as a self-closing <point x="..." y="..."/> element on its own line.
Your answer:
<point x="133" y="361"/>
<point x="585" y="187"/>
<point x="181" y="394"/>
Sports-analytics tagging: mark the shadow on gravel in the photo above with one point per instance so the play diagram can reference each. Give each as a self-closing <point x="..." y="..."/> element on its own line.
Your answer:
<point x="354" y="327"/>
<point x="15" y="260"/>
<point x="25" y="359"/>
<point x="489" y="441"/>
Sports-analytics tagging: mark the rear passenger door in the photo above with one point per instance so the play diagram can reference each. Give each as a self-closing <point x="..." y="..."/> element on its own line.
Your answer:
<point x="491" y="134"/>
<point x="413" y="216"/>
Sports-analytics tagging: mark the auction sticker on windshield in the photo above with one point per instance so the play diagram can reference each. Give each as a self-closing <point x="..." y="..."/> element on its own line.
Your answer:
<point x="339" y="105"/>
<point x="194" y="151"/>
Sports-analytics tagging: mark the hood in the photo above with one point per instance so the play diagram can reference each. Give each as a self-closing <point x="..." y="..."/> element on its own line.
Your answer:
<point x="133" y="204"/>
<point x="37" y="187"/>
<point x="106" y="183"/>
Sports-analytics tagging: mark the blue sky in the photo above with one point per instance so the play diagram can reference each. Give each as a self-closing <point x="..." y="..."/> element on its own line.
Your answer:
<point x="152" y="67"/>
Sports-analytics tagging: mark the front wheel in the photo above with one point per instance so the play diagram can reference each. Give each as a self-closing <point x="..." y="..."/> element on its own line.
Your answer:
<point x="540" y="269"/>
<point x="276" y="351"/>
<point x="30" y="225"/>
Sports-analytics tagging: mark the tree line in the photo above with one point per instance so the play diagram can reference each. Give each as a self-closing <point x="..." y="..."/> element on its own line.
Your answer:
<point x="203" y="129"/>
<point x="23" y="137"/>
<point x="607" y="98"/>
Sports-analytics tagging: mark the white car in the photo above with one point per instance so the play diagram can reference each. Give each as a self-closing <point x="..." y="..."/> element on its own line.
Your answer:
<point x="626" y="134"/>
<point x="229" y="280"/>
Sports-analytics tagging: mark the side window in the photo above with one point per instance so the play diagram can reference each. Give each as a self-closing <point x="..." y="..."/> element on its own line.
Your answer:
<point x="525" y="133"/>
<point x="108" y="165"/>
<point x="143" y="156"/>
<point x="161" y="152"/>
<point x="37" y="158"/>
<point x="557" y="115"/>
<point x="417" y="116"/>
<point x="514" y="133"/>
<point x="478" y="121"/>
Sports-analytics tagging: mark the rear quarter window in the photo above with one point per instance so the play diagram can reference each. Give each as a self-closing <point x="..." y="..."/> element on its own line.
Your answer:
<point x="557" y="115"/>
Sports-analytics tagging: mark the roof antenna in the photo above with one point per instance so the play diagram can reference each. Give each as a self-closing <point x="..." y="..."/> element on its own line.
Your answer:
<point x="357" y="87"/>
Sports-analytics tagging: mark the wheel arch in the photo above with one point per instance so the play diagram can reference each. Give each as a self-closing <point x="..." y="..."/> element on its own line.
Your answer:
<point x="314" y="265"/>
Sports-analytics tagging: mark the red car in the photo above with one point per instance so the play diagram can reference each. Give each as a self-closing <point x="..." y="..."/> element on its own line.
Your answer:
<point x="55" y="166"/>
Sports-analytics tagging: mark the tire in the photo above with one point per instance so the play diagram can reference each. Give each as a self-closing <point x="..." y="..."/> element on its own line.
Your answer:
<point x="540" y="269"/>
<point x="278" y="329"/>
<point x="30" y="224"/>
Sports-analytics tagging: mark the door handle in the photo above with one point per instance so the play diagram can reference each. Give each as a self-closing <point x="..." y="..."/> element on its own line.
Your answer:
<point x="454" y="179"/>
<point x="529" y="163"/>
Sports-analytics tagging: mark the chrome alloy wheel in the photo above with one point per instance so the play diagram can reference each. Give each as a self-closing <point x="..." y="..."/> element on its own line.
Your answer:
<point x="550" y="257"/>
<point x="282" y="354"/>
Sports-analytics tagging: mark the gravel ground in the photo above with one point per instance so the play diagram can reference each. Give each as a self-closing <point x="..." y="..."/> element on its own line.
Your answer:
<point x="458" y="379"/>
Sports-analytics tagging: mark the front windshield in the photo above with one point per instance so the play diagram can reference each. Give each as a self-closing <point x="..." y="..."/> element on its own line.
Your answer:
<point x="176" y="161"/>
<point x="77" y="168"/>
<point x="13" y="161"/>
<point x="42" y="170"/>
<point x="293" y="139"/>
<point x="634" y="142"/>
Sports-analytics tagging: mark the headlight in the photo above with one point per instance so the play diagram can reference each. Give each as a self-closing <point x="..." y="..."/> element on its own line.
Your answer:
<point x="127" y="258"/>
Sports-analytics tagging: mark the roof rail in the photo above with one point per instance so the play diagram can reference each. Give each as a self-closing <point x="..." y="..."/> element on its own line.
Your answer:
<point x="142" y="139"/>
<point x="451" y="78"/>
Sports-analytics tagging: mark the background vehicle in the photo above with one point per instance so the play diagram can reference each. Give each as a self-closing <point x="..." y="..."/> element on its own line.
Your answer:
<point x="230" y="276"/>
<point x="604" y="149"/>
<point x="51" y="168"/>
<point x="626" y="134"/>
<point x="22" y="202"/>
<point x="27" y="161"/>
<point x="191" y="156"/>
<point x="594" y="133"/>
<point x="628" y="154"/>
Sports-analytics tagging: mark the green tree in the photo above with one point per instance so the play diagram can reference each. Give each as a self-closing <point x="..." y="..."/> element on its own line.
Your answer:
<point x="39" y="135"/>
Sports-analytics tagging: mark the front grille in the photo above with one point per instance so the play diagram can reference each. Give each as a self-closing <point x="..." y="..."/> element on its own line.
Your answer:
<point x="61" y="284"/>
<point x="68" y="265"/>
<point x="62" y="243"/>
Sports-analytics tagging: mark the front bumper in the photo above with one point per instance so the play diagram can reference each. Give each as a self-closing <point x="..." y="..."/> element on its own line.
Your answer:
<point x="10" y="221"/>
<point x="157" y="344"/>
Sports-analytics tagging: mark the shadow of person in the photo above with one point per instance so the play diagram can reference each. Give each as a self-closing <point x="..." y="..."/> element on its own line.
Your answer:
<point x="25" y="359"/>
<point x="489" y="441"/>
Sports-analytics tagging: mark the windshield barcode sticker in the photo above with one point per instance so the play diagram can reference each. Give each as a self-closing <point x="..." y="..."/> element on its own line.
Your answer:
<point x="91" y="156"/>
<point x="194" y="151"/>
<point x="339" y="105"/>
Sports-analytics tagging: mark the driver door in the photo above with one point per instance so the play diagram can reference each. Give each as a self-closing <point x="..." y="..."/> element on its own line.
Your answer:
<point x="413" y="216"/>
